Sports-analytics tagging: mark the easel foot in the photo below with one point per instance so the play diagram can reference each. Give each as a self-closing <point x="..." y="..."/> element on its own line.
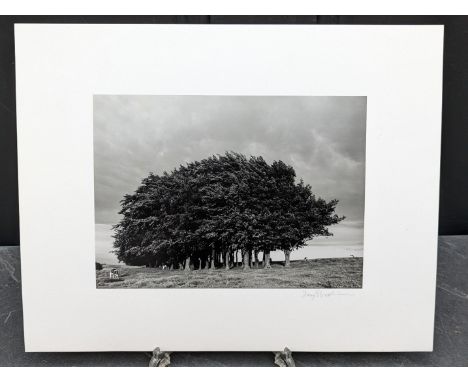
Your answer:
<point x="160" y="358"/>
<point x="284" y="358"/>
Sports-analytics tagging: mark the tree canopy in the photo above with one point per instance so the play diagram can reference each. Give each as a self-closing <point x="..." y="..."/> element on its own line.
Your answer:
<point x="206" y="210"/>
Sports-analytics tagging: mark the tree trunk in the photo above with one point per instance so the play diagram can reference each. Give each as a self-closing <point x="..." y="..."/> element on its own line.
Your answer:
<point x="187" y="264"/>
<point x="287" y="253"/>
<point x="237" y="259"/>
<point x="266" y="259"/>
<point x="256" y="258"/>
<point x="250" y="258"/>
<point x="245" y="259"/>
<point x="226" y="260"/>
<point x="213" y="258"/>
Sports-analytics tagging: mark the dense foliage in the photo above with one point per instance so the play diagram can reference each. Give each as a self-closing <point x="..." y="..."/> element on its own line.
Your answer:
<point x="202" y="213"/>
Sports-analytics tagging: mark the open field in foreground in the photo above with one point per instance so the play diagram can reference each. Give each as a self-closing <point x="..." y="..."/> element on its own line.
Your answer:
<point x="319" y="273"/>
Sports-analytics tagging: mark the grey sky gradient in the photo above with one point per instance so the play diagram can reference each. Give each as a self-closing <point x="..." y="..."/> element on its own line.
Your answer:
<point x="323" y="138"/>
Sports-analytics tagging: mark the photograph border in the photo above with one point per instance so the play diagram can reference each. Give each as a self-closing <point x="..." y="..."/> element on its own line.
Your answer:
<point x="399" y="69"/>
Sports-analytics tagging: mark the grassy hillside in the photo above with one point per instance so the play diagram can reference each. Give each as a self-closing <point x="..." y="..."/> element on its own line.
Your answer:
<point x="320" y="273"/>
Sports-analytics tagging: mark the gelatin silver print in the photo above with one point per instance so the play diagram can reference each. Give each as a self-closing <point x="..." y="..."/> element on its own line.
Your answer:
<point x="229" y="191"/>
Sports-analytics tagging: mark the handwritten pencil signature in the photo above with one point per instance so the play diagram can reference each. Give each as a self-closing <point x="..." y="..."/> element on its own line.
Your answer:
<point x="319" y="294"/>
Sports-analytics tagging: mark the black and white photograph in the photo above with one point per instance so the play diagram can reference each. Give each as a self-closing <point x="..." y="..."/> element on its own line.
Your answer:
<point x="239" y="172"/>
<point x="229" y="191"/>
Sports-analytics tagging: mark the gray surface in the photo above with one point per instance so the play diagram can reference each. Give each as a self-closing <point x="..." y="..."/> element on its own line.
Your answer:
<point x="451" y="327"/>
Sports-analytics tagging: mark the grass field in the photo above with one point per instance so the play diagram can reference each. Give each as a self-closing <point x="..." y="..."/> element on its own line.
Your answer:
<point x="319" y="273"/>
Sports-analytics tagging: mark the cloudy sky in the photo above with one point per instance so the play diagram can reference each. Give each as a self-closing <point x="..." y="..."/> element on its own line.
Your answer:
<point x="323" y="138"/>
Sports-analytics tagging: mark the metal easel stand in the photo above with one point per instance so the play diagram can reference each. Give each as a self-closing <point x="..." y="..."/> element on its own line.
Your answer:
<point x="284" y="358"/>
<point x="160" y="358"/>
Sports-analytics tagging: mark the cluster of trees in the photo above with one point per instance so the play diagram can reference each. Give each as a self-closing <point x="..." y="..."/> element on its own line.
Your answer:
<point x="203" y="214"/>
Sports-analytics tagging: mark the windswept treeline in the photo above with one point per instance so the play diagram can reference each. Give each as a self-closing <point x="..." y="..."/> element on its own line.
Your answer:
<point x="205" y="213"/>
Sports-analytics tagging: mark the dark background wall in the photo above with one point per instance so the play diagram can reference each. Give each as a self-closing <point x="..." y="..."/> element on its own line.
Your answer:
<point x="453" y="216"/>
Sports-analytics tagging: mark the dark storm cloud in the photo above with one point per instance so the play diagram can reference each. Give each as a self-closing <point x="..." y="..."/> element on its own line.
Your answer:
<point x="323" y="138"/>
